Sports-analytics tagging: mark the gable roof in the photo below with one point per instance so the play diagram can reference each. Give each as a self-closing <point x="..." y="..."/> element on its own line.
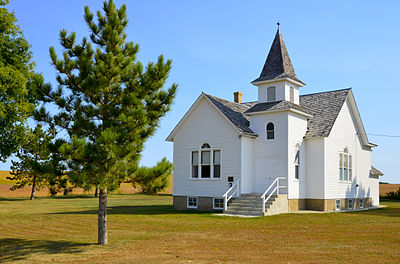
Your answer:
<point x="234" y="112"/>
<point x="322" y="110"/>
<point x="278" y="64"/>
<point x="375" y="172"/>
<point x="325" y="108"/>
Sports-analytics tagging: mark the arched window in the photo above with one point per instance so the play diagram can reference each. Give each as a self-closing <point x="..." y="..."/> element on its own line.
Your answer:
<point x="345" y="166"/>
<point x="270" y="131"/>
<point x="206" y="162"/>
<point x="296" y="164"/>
<point x="205" y="145"/>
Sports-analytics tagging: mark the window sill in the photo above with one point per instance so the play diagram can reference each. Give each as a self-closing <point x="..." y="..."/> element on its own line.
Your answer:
<point x="191" y="207"/>
<point x="348" y="182"/>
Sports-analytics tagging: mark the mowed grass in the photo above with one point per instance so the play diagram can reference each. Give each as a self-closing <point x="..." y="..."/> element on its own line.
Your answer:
<point x="145" y="229"/>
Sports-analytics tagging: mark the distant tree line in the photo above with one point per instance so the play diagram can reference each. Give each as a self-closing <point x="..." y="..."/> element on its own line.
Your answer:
<point x="108" y="104"/>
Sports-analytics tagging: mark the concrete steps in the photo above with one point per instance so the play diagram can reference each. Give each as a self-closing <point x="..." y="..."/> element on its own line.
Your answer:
<point x="249" y="205"/>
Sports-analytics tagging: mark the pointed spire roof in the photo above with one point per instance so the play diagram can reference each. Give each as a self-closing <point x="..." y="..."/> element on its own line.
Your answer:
<point x="278" y="64"/>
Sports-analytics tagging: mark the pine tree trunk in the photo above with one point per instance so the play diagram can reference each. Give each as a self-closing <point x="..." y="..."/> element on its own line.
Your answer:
<point x="102" y="218"/>
<point x="33" y="188"/>
<point x="95" y="192"/>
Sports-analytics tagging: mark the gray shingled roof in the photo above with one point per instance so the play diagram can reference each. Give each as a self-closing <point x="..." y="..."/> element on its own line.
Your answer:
<point x="275" y="106"/>
<point x="324" y="108"/>
<point x="234" y="112"/>
<point x="278" y="63"/>
<point x="374" y="171"/>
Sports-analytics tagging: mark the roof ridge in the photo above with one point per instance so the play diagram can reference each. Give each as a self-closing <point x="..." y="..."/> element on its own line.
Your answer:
<point x="327" y="91"/>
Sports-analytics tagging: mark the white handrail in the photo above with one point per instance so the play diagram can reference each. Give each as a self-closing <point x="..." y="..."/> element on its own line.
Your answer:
<point x="237" y="192"/>
<point x="276" y="189"/>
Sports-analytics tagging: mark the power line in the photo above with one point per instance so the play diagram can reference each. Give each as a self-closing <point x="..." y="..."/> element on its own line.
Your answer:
<point x="380" y="135"/>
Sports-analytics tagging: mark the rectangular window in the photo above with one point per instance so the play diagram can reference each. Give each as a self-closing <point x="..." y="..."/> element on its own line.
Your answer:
<point x="192" y="202"/>
<point x="296" y="165"/>
<point x="292" y="94"/>
<point x="195" y="164"/>
<point x="341" y="167"/>
<point x="217" y="163"/>
<point x="271" y="94"/>
<point x="350" y="167"/>
<point x="337" y="204"/>
<point x="205" y="164"/>
<point x="218" y="203"/>
<point x="345" y="166"/>
<point x="361" y="203"/>
<point x="350" y="204"/>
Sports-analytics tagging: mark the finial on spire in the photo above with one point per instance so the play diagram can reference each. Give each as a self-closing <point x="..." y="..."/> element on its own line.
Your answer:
<point x="278" y="24"/>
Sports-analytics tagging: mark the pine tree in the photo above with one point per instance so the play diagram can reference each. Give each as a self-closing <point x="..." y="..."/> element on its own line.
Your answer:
<point x="108" y="104"/>
<point x="153" y="179"/>
<point x="34" y="166"/>
<point x="16" y="79"/>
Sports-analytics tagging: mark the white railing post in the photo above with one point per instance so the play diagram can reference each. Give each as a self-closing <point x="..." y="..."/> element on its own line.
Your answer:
<point x="263" y="204"/>
<point x="225" y="203"/>
<point x="236" y="193"/>
<point x="277" y="185"/>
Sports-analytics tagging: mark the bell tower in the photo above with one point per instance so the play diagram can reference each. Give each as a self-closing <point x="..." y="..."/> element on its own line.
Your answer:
<point x="278" y="80"/>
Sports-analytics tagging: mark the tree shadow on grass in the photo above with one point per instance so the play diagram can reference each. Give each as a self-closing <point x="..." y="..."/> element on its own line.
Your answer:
<point x="14" y="249"/>
<point x="137" y="210"/>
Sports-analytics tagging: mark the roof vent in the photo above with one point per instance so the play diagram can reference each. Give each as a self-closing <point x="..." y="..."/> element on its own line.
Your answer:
<point x="237" y="96"/>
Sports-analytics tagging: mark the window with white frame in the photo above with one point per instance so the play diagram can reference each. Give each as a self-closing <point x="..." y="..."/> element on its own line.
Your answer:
<point x="270" y="130"/>
<point x="218" y="203"/>
<point x="345" y="166"/>
<point x="296" y="164"/>
<point x="337" y="204"/>
<point x="350" y="204"/>
<point x="195" y="164"/>
<point x="206" y="163"/>
<point x="191" y="202"/>
<point x="292" y="94"/>
<point x="271" y="94"/>
<point x="361" y="203"/>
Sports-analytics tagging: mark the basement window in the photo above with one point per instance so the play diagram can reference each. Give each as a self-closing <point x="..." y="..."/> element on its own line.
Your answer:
<point x="350" y="204"/>
<point x="361" y="203"/>
<point x="218" y="203"/>
<point x="192" y="202"/>
<point x="337" y="207"/>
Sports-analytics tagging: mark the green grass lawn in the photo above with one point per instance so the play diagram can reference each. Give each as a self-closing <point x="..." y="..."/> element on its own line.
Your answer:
<point x="145" y="229"/>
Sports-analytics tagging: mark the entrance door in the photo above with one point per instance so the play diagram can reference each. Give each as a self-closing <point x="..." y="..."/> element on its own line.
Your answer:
<point x="267" y="169"/>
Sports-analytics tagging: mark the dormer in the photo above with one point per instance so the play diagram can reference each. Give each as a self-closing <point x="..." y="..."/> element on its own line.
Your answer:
<point x="278" y="80"/>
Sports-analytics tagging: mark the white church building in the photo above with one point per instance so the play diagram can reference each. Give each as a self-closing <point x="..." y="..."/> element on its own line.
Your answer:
<point x="284" y="152"/>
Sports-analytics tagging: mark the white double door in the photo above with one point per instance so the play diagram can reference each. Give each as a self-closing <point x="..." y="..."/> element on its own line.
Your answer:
<point x="267" y="169"/>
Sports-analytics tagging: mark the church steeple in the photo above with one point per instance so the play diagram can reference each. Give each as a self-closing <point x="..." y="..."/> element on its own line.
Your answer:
<point x="278" y="80"/>
<point x="278" y="64"/>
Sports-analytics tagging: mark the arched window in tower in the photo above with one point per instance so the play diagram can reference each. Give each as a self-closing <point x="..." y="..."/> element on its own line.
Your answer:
<point x="270" y="131"/>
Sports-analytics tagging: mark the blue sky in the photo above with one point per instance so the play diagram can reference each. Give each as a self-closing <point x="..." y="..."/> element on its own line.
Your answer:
<point x="220" y="46"/>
